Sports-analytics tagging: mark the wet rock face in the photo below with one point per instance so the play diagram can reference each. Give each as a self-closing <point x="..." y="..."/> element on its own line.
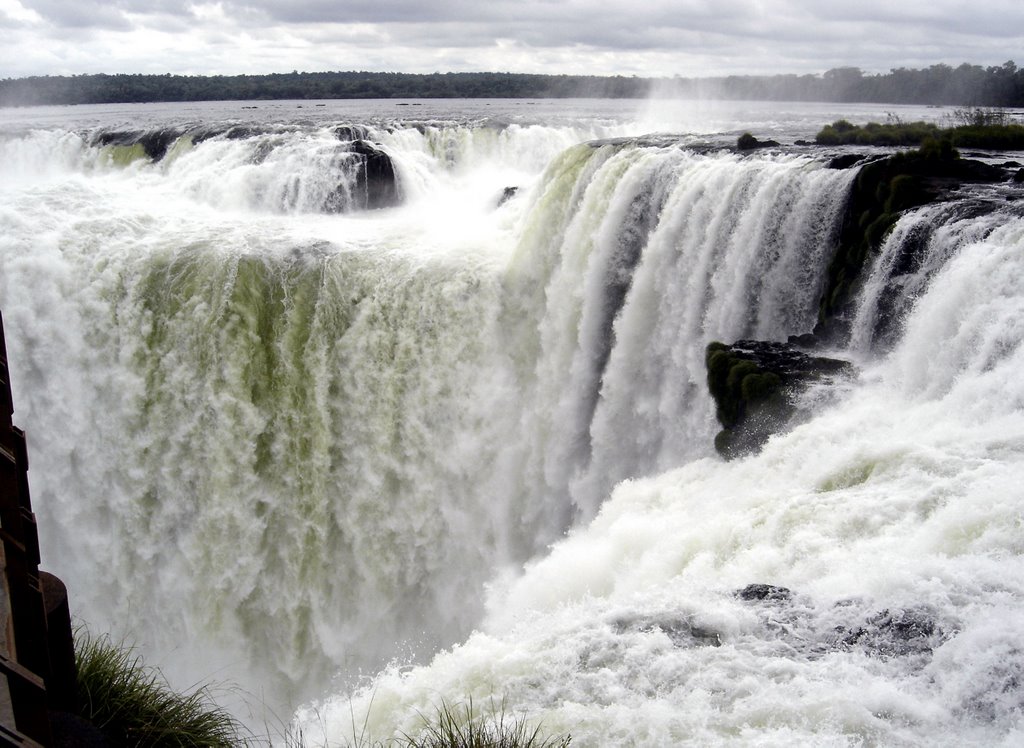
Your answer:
<point x="795" y="626"/>
<point x="883" y="189"/>
<point x="375" y="185"/>
<point x="155" y="143"/>
<point x="755" y="384"/>
<point x="349" y="133"/>
<point x="892" y="634"/>
<point x="681" y="631"/>
<point x="507" y="194"/>
<point x="764" y="592"/>
<point x="747" y="142"/>
<point x="847" y="627"/>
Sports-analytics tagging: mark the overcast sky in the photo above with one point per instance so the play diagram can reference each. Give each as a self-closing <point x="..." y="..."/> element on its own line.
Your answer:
<point x="601" y="37"/>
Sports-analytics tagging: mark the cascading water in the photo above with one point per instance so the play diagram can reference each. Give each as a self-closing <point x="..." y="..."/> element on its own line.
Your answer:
<point x="889" y="525"/>
<point x="279" y="445"/>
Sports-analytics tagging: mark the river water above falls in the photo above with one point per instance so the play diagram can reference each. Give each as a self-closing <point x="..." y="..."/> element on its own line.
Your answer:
<point x="317" y="406"/>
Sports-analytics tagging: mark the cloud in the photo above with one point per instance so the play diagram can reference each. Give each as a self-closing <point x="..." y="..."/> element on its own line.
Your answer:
<point x="657" y="37"/>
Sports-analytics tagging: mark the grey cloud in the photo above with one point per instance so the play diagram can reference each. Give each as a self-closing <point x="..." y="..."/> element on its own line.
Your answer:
<point x="106" y="15"/>
<point x="71" y="14"/>
<point x="674" y="35"/>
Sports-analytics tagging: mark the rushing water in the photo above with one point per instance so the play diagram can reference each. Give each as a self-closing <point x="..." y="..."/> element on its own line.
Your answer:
<point x="373" y="460"/>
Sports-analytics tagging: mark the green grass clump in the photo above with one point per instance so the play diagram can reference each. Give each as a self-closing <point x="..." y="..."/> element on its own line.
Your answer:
<point x="133" y="705"/>
<point x="455" y="726"/>
<point x="462" y="727"/>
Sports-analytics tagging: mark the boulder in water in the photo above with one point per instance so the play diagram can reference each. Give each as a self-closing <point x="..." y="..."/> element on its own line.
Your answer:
<point x="754" y="383"/>
<point x="747" y="142"/>
<point x="897" y="633"/>
<point x="764" y="592"/>
<point x="375" y="183"/>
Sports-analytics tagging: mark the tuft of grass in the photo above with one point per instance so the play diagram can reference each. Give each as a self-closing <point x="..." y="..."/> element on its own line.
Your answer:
<point x="133" y="705"/>
<point x="456" y="726"/>
<point x="460" y="726"/>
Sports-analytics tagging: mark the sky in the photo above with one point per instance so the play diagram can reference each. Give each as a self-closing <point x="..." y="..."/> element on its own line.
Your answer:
<point x="689" y="38"/>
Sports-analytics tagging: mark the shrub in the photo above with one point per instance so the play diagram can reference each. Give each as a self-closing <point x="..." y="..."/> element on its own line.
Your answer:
<point x="979" y="117"/>
<point x="1010" y="137"/>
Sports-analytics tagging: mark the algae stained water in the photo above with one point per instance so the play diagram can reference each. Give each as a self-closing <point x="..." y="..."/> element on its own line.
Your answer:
<point x="318" y="407"/>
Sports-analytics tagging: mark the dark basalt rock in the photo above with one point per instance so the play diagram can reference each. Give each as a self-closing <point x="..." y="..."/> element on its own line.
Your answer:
<point x="892" y="634"/>
<point x="848" y="627"/>
<point x="507" y="194"/>
<point x="680" y="631"/>
<point x="747" y="142"/>
<point x="754" y="384"/>
<point x="154" y="142"/>
<point x="764" y="592"/>
<point x="228" y="132"/>
<point x="349" y="133"/>
<point x="243" y="132"/>
<point x="157" y="142"/>
<point x="883" y="189"/>
<point x="849" y="160"/>
<point x="376" y="185"/>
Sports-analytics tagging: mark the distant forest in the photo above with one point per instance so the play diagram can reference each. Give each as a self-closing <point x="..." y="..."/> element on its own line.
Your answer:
<point x="965" y="85"/>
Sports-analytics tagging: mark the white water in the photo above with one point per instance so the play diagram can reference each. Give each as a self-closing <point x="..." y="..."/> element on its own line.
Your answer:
<point x="279" y="447"/>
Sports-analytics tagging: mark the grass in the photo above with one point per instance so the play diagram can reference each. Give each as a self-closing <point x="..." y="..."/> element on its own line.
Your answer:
<point x="133" y="705"/>
<point x="459" y="726"/>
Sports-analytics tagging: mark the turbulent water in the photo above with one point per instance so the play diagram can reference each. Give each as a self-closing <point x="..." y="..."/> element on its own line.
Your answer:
<point x="318" y="407"/>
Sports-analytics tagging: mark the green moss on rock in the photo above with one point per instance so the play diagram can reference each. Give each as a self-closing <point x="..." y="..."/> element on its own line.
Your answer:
<point x="883" y="189"/>
<point x="753" y="384"/>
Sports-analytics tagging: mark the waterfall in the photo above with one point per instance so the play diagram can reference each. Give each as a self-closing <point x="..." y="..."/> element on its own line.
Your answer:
<point x="288" y="432"/>
<point x="887" y="527"/>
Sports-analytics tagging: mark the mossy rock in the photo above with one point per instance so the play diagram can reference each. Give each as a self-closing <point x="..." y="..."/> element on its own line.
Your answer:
<point x="753" y="384"/>
<point x="883" y="190"/>
<point x="747" y="142"/>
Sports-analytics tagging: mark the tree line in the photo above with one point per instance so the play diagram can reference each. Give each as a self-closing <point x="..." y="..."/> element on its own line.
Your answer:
<point x="965" y="85"/>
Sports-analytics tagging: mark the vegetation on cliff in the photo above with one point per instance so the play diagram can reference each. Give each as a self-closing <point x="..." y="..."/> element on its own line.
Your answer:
<point x="882" y="190"/>
<point x="971" y="128"/>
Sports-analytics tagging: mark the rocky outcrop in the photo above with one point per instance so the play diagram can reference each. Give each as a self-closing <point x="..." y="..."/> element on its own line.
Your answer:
<point x="747" y="142"/>
<point x="155" y="143"/>
<point x="375" y="184"/>
<point x="349" y="133"/>
<point x="884" y="188"/>
<point x="755" y="383"/>
<point x="848" y="625"/>
<point x="507" y="194"/>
